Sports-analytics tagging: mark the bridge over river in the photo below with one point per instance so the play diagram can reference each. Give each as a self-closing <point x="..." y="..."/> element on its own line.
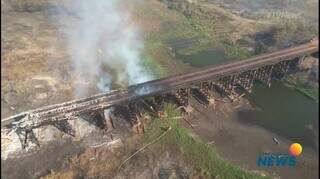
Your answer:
<point x="224" y="78"/>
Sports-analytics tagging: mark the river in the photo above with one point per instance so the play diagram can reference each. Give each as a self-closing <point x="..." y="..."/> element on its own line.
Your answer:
<point x="279" y="109"/>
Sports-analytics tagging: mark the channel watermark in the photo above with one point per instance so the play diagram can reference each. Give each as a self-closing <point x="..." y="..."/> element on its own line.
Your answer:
<point x="280" y="160"/>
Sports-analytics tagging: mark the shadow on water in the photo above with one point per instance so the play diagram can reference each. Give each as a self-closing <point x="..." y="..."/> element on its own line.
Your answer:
<point x="284" y="111"/>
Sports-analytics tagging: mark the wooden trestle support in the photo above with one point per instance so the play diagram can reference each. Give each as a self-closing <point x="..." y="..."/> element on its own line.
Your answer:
<point x="225" y="85"/>
<point x="182" y="95"/>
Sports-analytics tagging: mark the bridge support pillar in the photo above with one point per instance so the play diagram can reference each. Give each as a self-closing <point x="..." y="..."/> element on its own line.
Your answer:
<point x="225" y="85"/>
<point x="201" y="93"/>
<point x="27" y="136"/>
<point x="268" y="77"/>
<point x="265" y="75"/>
<point x="246" y="80"/>
<point x="250" y="80"/>
<point x="281" y="69"/>
<point x="108" y="120"/>
<point x="138" y="127"/>
<point x="159" y="103"/>
<point x="136" y="118"/>
<point x="205" y="89"/>
<point x="301" y="59"/>
<point x="182" y="95"/>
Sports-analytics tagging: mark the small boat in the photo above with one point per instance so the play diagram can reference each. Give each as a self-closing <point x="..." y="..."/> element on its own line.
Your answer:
<point x="276" y="140"/>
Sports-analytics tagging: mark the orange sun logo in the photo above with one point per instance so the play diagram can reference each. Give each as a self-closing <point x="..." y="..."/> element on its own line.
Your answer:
<point x="295" y="149"/>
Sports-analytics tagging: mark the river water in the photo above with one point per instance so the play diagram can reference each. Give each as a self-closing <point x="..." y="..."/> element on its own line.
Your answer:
<point x="284" y="111"/>
<point x="278" y="109"/>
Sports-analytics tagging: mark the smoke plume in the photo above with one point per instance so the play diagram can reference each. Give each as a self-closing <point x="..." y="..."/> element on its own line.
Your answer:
<point x="104" y="46"/>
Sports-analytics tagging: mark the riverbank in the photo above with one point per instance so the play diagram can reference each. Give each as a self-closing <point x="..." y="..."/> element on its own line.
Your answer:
<point x="240" y="141"/>
<point x="309" y="91"/>
<point x="185" y="150"/>
<point x="199" y="154"/>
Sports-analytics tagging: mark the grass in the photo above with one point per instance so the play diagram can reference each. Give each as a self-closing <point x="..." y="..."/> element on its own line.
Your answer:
<point x="153" y="67"/>
<point x="199" y="154"/>
<point x="303" y="87"/>
<point x="186" y="20"/>
<point x="292" y="29"/>
<point x="207" y="31"/>
<point x="201" y="45"/>
<point x="234" y="51"/>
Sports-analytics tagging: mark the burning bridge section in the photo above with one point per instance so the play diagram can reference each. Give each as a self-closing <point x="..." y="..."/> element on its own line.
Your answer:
<point x="140" y="103"/>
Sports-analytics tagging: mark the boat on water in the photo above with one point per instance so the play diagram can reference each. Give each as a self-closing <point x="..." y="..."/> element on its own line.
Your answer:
<point x="276" y="140"/>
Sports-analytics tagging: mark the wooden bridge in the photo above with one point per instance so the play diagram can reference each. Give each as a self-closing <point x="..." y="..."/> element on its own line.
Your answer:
<point x="225" y="78"/>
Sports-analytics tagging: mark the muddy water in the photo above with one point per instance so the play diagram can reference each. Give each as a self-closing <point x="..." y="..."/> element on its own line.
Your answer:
<point x="284" y="111"/>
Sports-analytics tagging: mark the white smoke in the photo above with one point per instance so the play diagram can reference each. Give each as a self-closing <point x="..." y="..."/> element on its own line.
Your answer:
<point x="104" y="46"/>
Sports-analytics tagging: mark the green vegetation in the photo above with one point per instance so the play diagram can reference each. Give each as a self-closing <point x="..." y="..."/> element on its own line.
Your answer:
<point x="234" y="51"/>
<point x="153" y="67"/>
<point x="293" y="29"/>
<point x="211" y="32"/>
<point x="303" y="87"/>
<point x="201" y="45"/>
<point x="199" y="154"/>
<point x="188" y="29"/>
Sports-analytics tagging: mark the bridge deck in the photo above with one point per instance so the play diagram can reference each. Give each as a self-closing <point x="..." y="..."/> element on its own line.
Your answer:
<point x="105" y="100"/>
